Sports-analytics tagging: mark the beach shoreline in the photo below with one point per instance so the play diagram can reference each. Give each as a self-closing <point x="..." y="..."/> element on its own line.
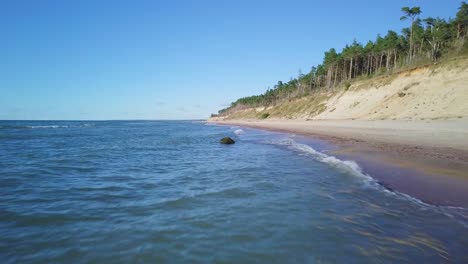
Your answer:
<point x="424" y="159"/>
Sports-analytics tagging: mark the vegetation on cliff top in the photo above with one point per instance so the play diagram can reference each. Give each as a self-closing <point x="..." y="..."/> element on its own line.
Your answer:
<point x="425" y="40"/>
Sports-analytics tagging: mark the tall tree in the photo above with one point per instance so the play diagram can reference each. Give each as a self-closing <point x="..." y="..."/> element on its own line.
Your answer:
<point x="391" y="47"/>
<point x="462" y="20"/>
<point x="412" y="14"/>
<point x="329" y="62"/>
<point x="438" y="34"/>
<point x="369" y="51"/>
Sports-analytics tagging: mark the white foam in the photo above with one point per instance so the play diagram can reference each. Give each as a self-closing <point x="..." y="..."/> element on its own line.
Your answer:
<point x="54" y="126"/>
<point x="239" y="132"/>
<point x="347" y="166"/>
<point x="60" y="126"/>
<point x="351" y="167"/>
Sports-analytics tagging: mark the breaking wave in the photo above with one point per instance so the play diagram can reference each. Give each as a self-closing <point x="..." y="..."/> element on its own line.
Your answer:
<point x="347" y="166"/>
<point x="43" y="126"/>
<point x="239" y="132"/>
<point x="351" y="167"/>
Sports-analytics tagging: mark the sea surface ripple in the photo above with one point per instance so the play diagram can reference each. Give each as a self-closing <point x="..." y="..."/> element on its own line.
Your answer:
<point x="168" y="192"/>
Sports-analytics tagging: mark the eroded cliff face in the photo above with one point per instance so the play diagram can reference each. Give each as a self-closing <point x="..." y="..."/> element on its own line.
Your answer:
<point x="430" y="92"/>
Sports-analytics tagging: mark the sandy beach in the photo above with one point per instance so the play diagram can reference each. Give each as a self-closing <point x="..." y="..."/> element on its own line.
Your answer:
<point x="407" y="130"/>
<point x="434" y="134"/>
<point x="425" y="159"/>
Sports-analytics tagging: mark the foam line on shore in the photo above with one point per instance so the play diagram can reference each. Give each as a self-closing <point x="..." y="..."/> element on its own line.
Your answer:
<point x="352" y="168"/>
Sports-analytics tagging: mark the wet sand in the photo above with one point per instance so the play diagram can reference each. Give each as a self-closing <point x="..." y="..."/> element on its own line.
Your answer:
<point x="424" y="159"/>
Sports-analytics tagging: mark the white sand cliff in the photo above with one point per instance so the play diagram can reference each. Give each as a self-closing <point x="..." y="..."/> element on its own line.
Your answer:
<point x="425" y="93"/>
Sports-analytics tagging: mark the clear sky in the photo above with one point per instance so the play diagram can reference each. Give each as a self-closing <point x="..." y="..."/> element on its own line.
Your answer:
<point x="154" y="59"/>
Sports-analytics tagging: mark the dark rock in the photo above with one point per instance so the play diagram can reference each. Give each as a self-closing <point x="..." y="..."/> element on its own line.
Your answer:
<point x="227" y="140"/>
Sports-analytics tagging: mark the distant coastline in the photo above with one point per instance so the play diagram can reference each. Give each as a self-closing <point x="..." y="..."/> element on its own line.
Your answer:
<point x="415" y="122"/>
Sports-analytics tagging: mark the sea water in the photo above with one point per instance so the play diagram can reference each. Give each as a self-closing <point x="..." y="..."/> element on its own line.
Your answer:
<point x="168" y="192"/>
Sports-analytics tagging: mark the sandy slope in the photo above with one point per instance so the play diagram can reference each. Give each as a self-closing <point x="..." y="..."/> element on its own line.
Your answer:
<point x="437" y="92"/>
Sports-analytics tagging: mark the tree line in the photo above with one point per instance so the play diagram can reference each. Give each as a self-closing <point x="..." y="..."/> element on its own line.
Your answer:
<point x="426" y="39"/>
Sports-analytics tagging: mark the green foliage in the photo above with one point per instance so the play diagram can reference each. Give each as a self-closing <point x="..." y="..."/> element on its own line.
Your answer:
<point x="347" y="85"/>
<point x="424" y="40"/>
<point x="461" y="20"/>
<point x="264" y="115"/>
<point x="410" y="13"/>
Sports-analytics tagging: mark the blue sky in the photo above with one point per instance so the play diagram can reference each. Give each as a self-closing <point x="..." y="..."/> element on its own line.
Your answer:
<point x="115" y="59"/>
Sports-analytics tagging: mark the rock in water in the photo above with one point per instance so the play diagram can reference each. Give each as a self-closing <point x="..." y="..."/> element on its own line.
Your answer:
<point x="227" y="140"/>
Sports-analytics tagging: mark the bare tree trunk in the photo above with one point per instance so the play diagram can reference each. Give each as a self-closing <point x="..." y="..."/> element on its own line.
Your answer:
<point x="421" y="46"/>
<point x="335" y="76"/>
<point x="344" y="75"/>
<point x="367" y="65"/>
<point x="387" y="61"/>
<point x="310" y="81"/>
<point x="458" y="30"/>
<point x="356" y="67"/>
<point x="380" y="61"/>
<point x="411" y="41"/>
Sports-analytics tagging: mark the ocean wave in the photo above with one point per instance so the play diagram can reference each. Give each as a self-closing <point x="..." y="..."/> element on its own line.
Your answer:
<point x="52" y="126"/>
<point x="347" y="166"/>
<point x="43" y="126"/>
<point x="351" y="167"/>
<point x="140" y="123"/>
<point x="200" y="197"/>
<point x="239" y="132"/>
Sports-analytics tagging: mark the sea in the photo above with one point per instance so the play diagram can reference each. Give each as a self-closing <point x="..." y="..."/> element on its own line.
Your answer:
<point x="169" y="192"/>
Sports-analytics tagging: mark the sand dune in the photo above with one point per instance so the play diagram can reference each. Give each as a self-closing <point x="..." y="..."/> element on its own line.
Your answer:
<point x="436" y="92"/>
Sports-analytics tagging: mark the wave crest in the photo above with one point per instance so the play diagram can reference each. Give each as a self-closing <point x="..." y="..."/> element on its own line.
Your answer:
<point x="42" y="126"/>
<point x="239" y="132"/>
<point x="348" y="166"/>
<point x="351" y="167"/>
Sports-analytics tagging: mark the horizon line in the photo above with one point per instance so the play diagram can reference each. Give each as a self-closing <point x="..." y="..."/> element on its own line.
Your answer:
<point x="101" y="120"/>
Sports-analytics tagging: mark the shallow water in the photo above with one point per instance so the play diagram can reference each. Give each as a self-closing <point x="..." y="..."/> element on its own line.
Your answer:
<point x="156" y="192"/>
